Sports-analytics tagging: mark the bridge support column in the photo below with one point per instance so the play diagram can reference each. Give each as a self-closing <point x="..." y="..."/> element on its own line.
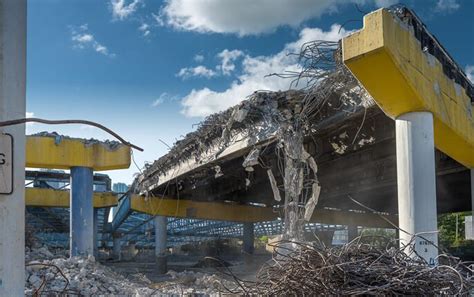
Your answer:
<point x="117" y="247"/>
<point x="82" y="212"/>
<point x="96" y="233"/>
<point x="416" y="184"/>
<point x="12" y="106"/>
<point x="160" y="243"/>
<point x="248" y="238"/>
<point x="472" y="199"/>
<point x="352" y="232"/>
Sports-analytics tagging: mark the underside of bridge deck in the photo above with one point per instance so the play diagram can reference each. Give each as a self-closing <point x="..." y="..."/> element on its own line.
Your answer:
<point x="356" y="156"/>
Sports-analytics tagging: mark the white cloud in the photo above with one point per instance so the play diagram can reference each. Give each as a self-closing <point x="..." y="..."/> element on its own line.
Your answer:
<point x="163" y="98"/>
<point x="83" y="39"/>
<point x="228" y="57"/>
<point x="254" y="77"/>
<point x="121" y="10"/>
<point x="248" y="17"/>
<point x="244" y="17"/>
<point x="158" y="101"/>
<point x="447" y="6"/>
<point x="385" y="3"/>
<point x="470" y="72"/>
<point x="158" y="19"/>
<point x="28" y="125"/>
<point x="198" y="71"/>
<point x="199" y="58"/>
<point x="145" y="29"/>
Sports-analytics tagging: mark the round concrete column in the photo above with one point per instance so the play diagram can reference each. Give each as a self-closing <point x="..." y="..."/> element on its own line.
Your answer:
<point x="160" y="243"/>
<point x="117" y="247"/>
<point x="248" y="238"/>
<point x="417" y="184"/>
<point x="95" y="235"/>
<point x="352" y="232"/>
<point x="472" y="199"/>
<point x="81" y="212"/>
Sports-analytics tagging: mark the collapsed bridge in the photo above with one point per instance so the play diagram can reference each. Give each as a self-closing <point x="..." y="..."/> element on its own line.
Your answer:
<point x="333" y="152"/>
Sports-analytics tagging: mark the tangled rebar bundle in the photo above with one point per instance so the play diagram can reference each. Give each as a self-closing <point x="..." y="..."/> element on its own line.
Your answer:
<point x="357" y="268"/>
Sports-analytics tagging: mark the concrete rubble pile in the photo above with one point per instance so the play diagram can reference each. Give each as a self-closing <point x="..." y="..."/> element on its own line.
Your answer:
<point x="50" y="274"/>
<point x="79" y="275"/>
<point x="191" y="283"/>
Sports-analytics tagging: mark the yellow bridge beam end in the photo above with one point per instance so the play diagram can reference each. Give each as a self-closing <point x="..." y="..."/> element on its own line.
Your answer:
<point x="64" y="153"/>
<point x="388" y="60"/>
<point x="39" y="197"/>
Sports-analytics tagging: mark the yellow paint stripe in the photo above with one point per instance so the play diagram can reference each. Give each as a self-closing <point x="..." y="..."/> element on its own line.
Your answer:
<point x="60" y="198"/>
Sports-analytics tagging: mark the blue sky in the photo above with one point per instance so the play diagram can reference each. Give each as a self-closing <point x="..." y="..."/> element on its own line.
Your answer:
<point x="150" y="69"/>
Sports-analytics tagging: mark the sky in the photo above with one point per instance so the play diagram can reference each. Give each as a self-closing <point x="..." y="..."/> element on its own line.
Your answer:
<point x="151" y="70"/>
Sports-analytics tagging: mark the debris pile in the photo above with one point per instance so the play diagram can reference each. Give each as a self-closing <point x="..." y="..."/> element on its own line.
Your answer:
<point x="189" y="283"/>
<point x="59" y="275"/>
<point x="76" y="276"/>
<point x="357" y="268"/>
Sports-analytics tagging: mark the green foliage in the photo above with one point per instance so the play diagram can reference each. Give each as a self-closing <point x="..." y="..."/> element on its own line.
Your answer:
<point x="455" y="245"/>
<point x="380" y="237"/>
<point x="447" y="229"/>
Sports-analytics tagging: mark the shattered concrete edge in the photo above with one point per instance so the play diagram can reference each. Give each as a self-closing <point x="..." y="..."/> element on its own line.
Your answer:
<point x="109" y="144"/>
<point x="220" y="131"/>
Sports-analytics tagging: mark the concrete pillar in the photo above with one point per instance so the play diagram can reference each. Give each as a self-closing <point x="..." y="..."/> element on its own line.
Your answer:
<point x="12" y="106"/>
<point x="117" y="247"/>
<point x="472" y="198"/>
<point x="82" y="212"/>
<point x="248" y="238"/>
<point x="352" y="233"/>
<point x="416" y="183"/>
<point x="95" y="236"/>
<point x="160" y="243"/>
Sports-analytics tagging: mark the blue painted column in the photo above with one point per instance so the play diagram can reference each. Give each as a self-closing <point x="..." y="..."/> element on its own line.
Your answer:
<point x="352" y="232"/>
<point x="117" y="248"/>
<point x="81" y="230"/>
<point x="96" y="231"/>
<point x="161" y="225"/>
<point x="248" y="238"/>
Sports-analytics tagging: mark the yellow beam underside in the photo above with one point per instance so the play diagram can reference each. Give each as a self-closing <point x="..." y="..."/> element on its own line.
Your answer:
<point x="60" y="198"/>
<point x="388" y="61"/>
<point x="43" y="152"/>
<point x="201" y="210"/>
<point x="245" y="213"/>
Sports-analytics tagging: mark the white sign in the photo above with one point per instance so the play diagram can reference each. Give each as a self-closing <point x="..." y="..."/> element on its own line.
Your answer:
<point x="6" y="163"/>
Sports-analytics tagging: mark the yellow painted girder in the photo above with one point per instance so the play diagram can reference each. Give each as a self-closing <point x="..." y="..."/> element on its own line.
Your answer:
<point x="60" y="198"/>
<point x="43" y="152"/>
<point x="201" y="210"/>
<point x="387" y="59"/>
<point x="245" y="213"/>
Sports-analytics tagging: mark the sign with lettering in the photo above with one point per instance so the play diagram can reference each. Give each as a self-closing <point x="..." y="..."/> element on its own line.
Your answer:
<point x="6" y="163"/>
